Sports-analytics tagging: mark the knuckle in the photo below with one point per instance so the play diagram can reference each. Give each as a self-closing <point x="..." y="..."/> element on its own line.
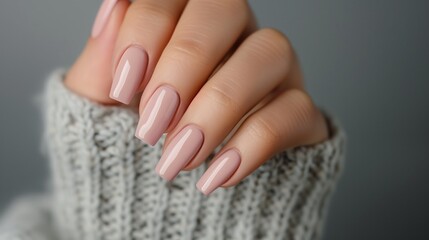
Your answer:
<point x="151" y="12"/>
<point x="223" y="96"/>
<point x="305" y="109"/>
<point x="238" y="10"/>
<point x="272" y="43"/>
<point x="233" y="6"/>
<point x="236" y="5"/>
<point x="275" y="36"/>
<point x="191" y="45"/>
<point x="261" y="127"/>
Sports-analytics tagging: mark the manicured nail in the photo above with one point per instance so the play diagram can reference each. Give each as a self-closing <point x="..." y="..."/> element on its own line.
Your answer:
<point x="180" y="152"/>
<point x="103" y="17"/>
<point x="157" y="114"/>
<point x="219" y="172"/>
<point x="129" y="74"/>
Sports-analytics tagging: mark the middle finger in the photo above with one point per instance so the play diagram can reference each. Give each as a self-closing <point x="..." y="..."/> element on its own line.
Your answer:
<point x="204" y="34"/>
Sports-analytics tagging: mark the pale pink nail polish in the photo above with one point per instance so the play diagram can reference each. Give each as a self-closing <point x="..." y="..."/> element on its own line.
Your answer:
<point x="180" y="152"/>
<point x="103" y="17"/>
<point x="129" y="74"/>
<point x="219" y="172"/>
<point x="157" y="114"/>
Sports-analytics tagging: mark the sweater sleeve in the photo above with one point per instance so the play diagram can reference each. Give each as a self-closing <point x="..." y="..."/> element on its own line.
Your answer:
<point x="28" y="218"/>
<point x="105" y="187"/>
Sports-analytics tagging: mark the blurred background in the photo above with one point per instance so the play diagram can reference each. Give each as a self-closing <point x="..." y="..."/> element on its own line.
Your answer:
<point x="365" y="61"/>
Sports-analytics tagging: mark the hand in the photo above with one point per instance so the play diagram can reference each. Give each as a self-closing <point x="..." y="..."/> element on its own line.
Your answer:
<point x="203" y="73"/>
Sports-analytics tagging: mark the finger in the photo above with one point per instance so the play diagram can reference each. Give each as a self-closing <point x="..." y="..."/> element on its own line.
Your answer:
<point x="258" y="66"/>
<point x="103" y="16"/>
<point x="90" y="76"/>
<point x="288" y="121"/>
<point x="205" y="33"/>
<point x="146" y="29"/>
<point x="252" y="26"/>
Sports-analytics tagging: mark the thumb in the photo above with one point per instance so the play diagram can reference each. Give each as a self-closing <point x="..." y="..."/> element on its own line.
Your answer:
<point x="91" y="75"/>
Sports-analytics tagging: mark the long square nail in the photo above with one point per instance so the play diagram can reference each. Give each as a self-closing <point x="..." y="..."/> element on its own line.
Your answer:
<point x="103" y="17"/>
<point x="219" y="172"/>
<point x="129" y="74"/>
<point x="157" y="114"/>
<point x="184" y="146"/>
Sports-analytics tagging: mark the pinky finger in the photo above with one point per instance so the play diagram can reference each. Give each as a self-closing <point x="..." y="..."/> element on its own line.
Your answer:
<point x="290" y="120"/>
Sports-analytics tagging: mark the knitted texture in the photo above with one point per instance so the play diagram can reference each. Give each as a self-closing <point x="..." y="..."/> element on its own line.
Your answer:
<point x="105" y="186"/>
<point x="28" y="218"/>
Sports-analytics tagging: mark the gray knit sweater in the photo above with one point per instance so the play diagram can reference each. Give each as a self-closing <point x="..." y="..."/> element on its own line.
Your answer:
<point x="104" y="186"/>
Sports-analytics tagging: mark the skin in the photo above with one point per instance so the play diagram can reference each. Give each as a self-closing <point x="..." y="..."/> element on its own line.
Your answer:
<point x="235" y="81"/>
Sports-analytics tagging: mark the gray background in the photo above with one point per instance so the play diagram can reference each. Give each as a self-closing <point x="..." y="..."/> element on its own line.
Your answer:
<point x="366" y="61"/>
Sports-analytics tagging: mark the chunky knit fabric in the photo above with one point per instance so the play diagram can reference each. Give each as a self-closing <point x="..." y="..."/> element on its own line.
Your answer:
<point x="104" y="186"/>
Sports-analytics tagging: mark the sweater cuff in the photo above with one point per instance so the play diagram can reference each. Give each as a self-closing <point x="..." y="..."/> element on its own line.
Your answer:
<point x="105" y="186"/>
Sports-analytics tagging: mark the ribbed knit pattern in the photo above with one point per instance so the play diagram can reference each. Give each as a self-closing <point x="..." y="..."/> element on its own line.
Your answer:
<point x="105" y="186"/>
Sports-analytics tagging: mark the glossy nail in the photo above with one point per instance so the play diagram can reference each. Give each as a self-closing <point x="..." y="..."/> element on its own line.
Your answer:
<point x="219" y="172"/>
<point x="129" y="74"/>
<point x="180" y="152"/>
<point x="103" y="17"/>
<point x="157" y="114"/>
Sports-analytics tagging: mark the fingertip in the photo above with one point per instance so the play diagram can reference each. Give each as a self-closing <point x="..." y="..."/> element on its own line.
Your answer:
<point x="103" y="17"/>
<point x="218" y="173"/>
<point x="90" y="75"/>
<point x="163" y="175"/>
<point x="199" y="187"/>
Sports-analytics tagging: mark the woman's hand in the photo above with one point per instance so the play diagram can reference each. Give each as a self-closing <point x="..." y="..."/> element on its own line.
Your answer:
<point x="202" y="72"/>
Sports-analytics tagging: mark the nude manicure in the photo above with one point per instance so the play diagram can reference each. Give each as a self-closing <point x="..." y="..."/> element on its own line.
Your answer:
<point x="157" y="114"/>
<point x="180" y="152"/>
<point x="103" y="17"/>
<point x="129" y="74"/>
<point x="219" y="172"/>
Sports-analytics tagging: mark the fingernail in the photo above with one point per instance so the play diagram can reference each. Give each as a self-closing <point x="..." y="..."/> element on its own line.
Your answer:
<point x="157" y="114"/>
<point x="219" y="172"/>
<point x="129" y="74"/>
<point x="180" y="152"/>
<point x="103" y="17"/>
